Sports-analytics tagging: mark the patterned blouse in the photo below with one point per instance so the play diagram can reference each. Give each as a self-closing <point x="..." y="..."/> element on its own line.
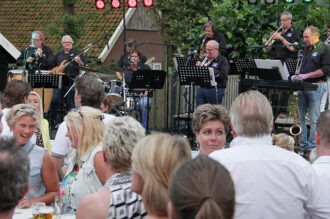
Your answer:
<point x="66" y="188"/>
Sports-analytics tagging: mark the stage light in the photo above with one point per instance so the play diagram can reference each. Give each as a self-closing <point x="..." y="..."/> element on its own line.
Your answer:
<point x="252" y="1"/>
<point x="148" y="3"/>
<point x="288" y="1"/>
<point x="99" y="4"/>
<point x="307" y="1"/>
<point x="115" y="3"/>
<point x="132" y="3"/>
<point x="270" y="1"/>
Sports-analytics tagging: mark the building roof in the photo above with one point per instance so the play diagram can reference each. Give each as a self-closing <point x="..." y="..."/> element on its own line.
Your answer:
<point x="19" y="18"/>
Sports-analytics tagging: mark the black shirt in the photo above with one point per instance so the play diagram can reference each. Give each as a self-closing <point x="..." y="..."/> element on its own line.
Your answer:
<point x="317" y="58"/>
<point x="279" y="52"/>
<point x="219" y="37"/>
<point x="40" y="63"/>
<point x="123" y="60"/>
<point x="73" y="68"/>
<point x="324" y="38"/>
<point x="221" y="69"/>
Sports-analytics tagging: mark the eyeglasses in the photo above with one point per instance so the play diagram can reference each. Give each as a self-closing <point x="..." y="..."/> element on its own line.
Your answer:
<point x="67" y="42"/>
<point x="37" y="39"/>
<point x="27" y="109"/>
<point x="78" y="110"/>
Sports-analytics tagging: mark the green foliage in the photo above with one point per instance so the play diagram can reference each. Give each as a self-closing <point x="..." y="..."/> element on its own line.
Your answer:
<point x="244" y="25"/>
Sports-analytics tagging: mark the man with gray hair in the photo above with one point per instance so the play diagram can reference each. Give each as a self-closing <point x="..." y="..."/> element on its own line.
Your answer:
<point x="322" y="139"/>
<point x="14" y="176"/>
<point x="72" y="70"/>
<point x="270" y="182"/>
<point x="213" y="59"/>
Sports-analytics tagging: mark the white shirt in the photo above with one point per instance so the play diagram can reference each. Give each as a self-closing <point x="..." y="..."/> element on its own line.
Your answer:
<point x="322" y="168"/>
<point x="271" y="182"/>
<point x="62" y="145"/>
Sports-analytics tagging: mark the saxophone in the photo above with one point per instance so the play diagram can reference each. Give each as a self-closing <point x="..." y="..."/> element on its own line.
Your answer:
<point x="201" y="48"/>
<point x="295" y="129"/>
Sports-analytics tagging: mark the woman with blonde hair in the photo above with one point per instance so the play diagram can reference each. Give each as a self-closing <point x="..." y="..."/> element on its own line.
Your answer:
<point x="154" y="158"/>
<point x="284" y="141"/>
<point x="42" y="133"/>
<point x="120" y="138"/>
<point x="23" y="119"/>
<point x="86" y="173"/>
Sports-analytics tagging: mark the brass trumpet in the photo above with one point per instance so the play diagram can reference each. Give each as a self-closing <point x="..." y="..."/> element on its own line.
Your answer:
<point x="271" y="40"/>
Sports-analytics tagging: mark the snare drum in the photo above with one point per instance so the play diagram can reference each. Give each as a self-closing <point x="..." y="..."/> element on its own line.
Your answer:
<point x="116" y="92"/>
<point x="130" y="103"/>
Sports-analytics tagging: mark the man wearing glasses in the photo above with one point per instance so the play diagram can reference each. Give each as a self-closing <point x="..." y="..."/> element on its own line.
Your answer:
<point x="72" y="70"/>
<point x="219" y="63"/>
<point x="37" y="56"/>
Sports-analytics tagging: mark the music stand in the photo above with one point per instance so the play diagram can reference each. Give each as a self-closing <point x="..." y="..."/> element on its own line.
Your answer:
<point x="280" y="71"/>
<point x="147" y="80"/>
<point x="181" y="61"/>
<point x="47" y="81"/>
<point x="291" y="65"/>
<point x="245" y="66"/>
<point x="195" y="75"/>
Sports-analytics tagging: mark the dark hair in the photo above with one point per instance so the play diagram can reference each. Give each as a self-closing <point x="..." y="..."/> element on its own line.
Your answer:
<point x="15" y="92"/>
<point x="210" y="23"/>
<point x="107" y="101"/>
<point x="202" y="188"/>
<point x="14" y="169"/>
<point x="90" y="90"/>
<point x="130" y="42"/>
<point x="323" y="126"/>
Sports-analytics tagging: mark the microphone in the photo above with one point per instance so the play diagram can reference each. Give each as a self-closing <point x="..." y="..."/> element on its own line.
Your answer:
<point x="291" y="44"/>
<point x="194" y="52"/>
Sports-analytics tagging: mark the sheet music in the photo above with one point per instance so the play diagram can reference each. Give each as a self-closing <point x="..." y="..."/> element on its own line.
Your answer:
<point x="273" y="64"/>
<point x="213" y="82"/>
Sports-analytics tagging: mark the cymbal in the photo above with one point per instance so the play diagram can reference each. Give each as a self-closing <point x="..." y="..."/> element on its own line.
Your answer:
<point x="86" y="68"/>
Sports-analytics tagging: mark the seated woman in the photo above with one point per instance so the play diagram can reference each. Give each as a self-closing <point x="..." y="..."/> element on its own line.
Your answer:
<point x="120" y="138"/>
<point x="23" y="119"/>
<point x="201" y="188"/>
<point x="42" y="133"/>
<point x="86" y="173"/>
<point x="154" y="158"/>
<point x="284" y="141"/>
<point x="210" y="123"/>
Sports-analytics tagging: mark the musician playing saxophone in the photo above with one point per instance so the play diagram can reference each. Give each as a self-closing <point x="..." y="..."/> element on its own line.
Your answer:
<point x="211" y="33"/>
<point x="220" y="66"/>
<point x="315" y="67"/>
<point x="36" y="56"/>
<point x="288" y="34"/>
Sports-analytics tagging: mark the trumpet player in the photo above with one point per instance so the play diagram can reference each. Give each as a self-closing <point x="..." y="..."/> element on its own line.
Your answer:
<point x="285" y="35"/>
<point x="211" y="33"/>
<point x="36" y="56"/>
<point x="219" y="63"/>
<point x="315" y="67"/>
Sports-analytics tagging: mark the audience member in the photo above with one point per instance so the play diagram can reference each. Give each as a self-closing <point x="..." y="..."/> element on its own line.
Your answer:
<point x="209" y="192"/>
<point x="116" y="200"/>
<point x="14" y="169"/>
<point x="284" y="141"/>
<point x="23" y="119"/>
<point x="269" y="182"/>
<point x="86" y="173"/>
<point x="16" y="92"/>
<point x="210" y="123"/>
<point x="89" y="92"/>
<point x="42" y="133"/>
<point x="106" y="104"/>
<point x="154" y="158"/>
<point x="322" y="140"/>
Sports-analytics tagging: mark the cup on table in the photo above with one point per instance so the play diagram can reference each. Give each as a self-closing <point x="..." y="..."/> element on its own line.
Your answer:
<point x="41" y="211"/>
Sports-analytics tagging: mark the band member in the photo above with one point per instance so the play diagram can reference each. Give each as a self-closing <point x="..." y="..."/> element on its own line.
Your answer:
<point x="315" y="67"/>
<point x="326" y="39"/>
<point x="125" y="59"/>
<point x="286" y="35"/>
<point x="72" y="70"/>
<point x="144" y="104"/>
<point x="221" y="68"/>
<point x="37" y="56"/>
<point x="211" y="33"/>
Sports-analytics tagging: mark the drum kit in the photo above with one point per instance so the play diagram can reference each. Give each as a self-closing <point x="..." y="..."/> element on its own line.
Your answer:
<point x="124" y="101"/>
